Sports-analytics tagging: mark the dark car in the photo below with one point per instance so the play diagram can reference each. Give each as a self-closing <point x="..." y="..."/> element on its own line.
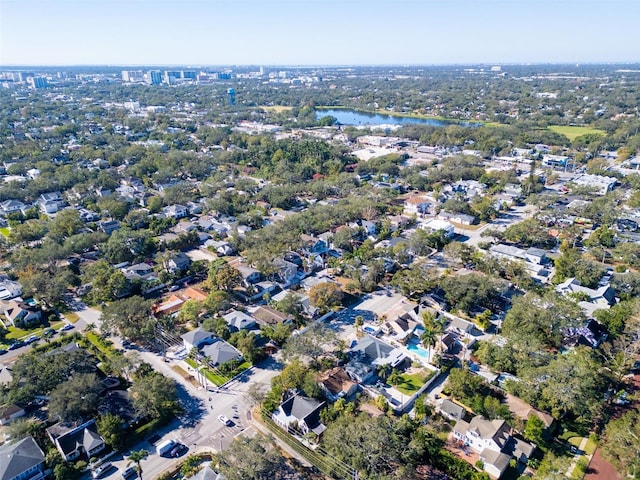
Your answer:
<point x="3" y="351"/>
<point x="49" y="332"/>
<point x="178" y="450"/>
<point x="16" y="345"/>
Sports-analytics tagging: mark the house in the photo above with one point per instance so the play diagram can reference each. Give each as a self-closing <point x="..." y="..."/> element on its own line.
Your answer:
<point x="176" y="211"/>
<point x="270" y="316"/>
<point x="461" y="218"/>
<point x="378" y="352"/>
<point x="207" y="473"/>
<point x="220" y="247"/>
<point x="21" y="314"/>
<point x="335" y="384"/>
<point x="249" y="274"/>
<point x="139" y="270"/>
<point x="493" y="441"/>
<point x="75" y="442"/>
<point x="287" y="271"/>
<point x="589" y="299"/>
<point x="534" y="256"/>
<point x="178" y="262"/>
<point x="171" y="305"/>
<point x="219" y="352"/>
<point x="21" y="460"/>
<point x="488" y="438"/>
<point x="436" y="225"/>
<point x="109" y="226"/>
<point x="400" y="327"/>
<point x="196" y="338"/>
<point x="591" y="335"/>
<point x="11" y="206"/>
<point x="50" y="202"/>
<point x="9" y="288"/>
<point x="313" y="245"/>
<point x="300" y="415"/>
<point x="417" y="205"/>
<point x="599" y="183"/>
<point x="452" y="410"/>
<point x="459" y="326"/>
<point x="239" y="320"/>
<point x="10" y="412"/>
<point x="5" y="375"/>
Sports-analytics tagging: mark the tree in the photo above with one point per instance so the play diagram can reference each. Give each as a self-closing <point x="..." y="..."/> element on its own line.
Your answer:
<point x="216" y="301"/>
<point x="75" y="399"/>
<point x="621" y="443"/>
<point x="154" y="395"/>
<point x="130" y="317"/>
<point x="223" y="276"/>
<point x="111" y="428"/>
<point x="190" y="311"/>
<point x="535" y="322"/>
<point x="311" y="343"/>
<point x="369" y="445"/>
<point x="66" y="223"/>
<point x="325" y="295"/>
<point x="254" y="458"/>
<point x="136" y="457"/>
<point x="574" y="385"/>
<point x="534" y="429"/>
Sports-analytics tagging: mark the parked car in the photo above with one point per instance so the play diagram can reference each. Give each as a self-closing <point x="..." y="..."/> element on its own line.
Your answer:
<point x="102" y="470"/>
<point x="224" y="420"/>
<point x="178" y="450"/>
<point x="16" y="345"/>
<point x="49" y="332"/>
<point x="32" y="339"/>
<point x="3" y="351"/>
<point x="68" y="326"/>
<point x="129" y="473"/>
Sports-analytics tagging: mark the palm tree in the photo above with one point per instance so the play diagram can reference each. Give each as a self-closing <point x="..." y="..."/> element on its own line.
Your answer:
<point x="428" y="339"/>
<point x="136" y="456"/>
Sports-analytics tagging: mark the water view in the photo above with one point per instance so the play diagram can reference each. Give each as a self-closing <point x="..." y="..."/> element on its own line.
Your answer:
<point x="357" y="117"/>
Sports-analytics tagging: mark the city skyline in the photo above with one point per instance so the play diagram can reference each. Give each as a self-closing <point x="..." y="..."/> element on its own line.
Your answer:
<point x="333" y="32"/>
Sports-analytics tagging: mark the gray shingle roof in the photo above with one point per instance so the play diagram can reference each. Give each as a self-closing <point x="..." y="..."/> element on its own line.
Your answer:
<point x="16" y="458"/>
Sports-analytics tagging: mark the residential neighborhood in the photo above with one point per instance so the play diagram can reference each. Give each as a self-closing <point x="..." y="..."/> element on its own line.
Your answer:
<point x="186" y="282"/>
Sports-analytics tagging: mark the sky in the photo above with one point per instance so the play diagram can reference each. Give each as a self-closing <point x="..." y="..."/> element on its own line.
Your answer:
<point x="317" y="32"/>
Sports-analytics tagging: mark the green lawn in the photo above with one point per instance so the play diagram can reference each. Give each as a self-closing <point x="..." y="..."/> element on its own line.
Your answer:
<point x="214" y="378"/>
<point x="573" y="132"/>
<point x="16" y="333"/>
<point x="5" y="231"/>
<point x="411" y="383"/>
<point x="73" y="317"/>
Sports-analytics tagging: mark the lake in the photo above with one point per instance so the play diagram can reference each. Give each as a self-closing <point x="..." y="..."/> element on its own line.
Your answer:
<point x="357" y="117"/>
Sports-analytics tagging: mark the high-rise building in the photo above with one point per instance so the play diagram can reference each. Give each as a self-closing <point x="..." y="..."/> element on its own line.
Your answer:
<point x="154" y="77"/>
<point x="132" y="76"/>
<point x="231" y="95"/>
<point x="37" y="82"/>
<point x="189" y="74"/>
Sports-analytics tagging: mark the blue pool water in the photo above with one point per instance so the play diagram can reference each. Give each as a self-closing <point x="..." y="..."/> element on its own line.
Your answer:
<point x="417" y="349"/>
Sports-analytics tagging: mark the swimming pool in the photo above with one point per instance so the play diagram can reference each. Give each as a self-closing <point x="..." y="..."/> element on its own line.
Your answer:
<point x="413" y="347"/>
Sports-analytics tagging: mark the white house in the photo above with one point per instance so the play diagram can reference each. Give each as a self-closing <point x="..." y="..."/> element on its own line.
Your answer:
<point x="436" y="225"/>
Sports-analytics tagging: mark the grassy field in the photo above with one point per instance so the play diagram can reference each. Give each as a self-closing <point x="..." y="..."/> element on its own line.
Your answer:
<point x="276" y="108"/>
<point x="411" y="383"/>
<point x="573" y="132"/>
<point x="15" y="333"/>
<point x="5" y="231"/>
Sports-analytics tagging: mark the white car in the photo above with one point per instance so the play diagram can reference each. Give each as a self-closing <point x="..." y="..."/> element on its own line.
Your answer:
<point x="224" y="420"/>
<point x="68" y="326"/>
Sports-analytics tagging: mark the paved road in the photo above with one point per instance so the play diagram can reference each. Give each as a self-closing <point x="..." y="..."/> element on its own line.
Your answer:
<point x="199" y="428"/>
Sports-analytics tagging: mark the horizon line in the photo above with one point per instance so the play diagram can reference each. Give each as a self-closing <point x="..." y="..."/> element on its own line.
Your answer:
<point x="321" y="65"/>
